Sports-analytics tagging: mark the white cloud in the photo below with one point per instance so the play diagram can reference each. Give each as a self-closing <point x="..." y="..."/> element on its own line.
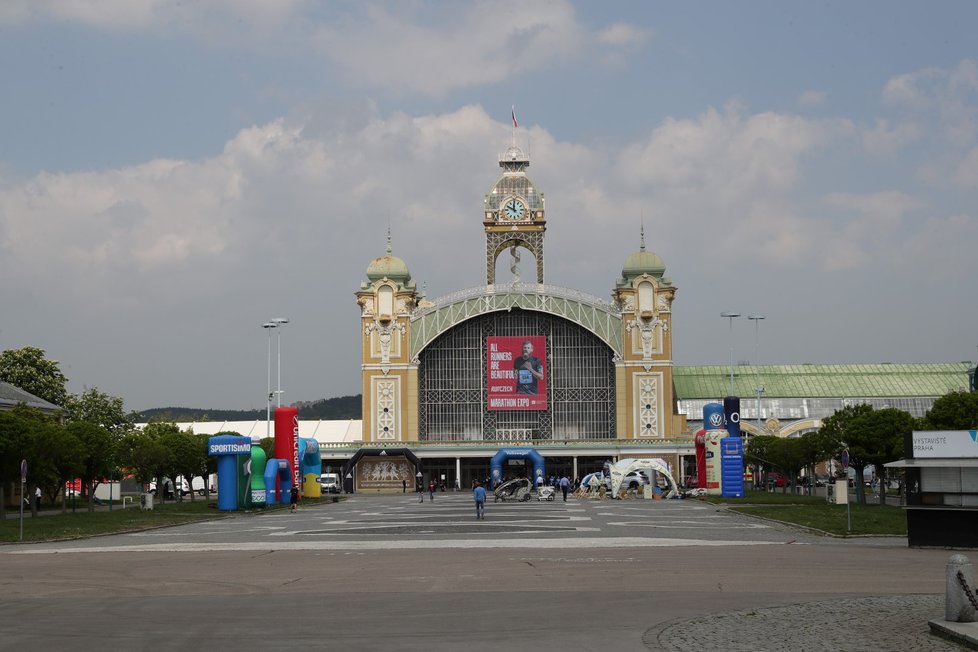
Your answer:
<point x="202" y="18"/>
<point x="884" y="138"/>
<point x="474" y="48"/>
<point x="966" y="174"/>
<point x="812" y="98"/>
<point x="623" y="35"/>
<point x="407" y="47"/>
<point x="727" y="151"/>
<point x="950" y="93"/>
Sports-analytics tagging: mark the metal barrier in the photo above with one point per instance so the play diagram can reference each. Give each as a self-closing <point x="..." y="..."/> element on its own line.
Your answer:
<point x="127" y="499"/>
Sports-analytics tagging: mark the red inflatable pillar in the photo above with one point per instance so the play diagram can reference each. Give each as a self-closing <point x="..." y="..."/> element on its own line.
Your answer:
<point x="287" y="444"/>
<point x="701" y="458"/>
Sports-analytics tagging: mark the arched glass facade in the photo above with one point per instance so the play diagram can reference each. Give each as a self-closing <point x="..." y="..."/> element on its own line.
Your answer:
<point x="452" y="383"/>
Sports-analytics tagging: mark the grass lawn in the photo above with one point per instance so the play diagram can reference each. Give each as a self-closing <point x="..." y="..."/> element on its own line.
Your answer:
<point x="814" y="512"/>
<point x="82" y="523"/>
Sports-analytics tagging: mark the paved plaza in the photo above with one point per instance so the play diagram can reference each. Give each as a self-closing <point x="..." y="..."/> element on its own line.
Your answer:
<point x="385" y="572"/>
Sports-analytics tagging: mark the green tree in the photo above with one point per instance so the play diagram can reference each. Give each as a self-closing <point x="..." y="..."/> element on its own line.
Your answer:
<point x="877" y="438"/>
<point x="267" y="444"/>
<point x="210" y="463"/>
<point x="188" y="459"/>
<point x="101" y="409"/>
<point x="954" y="411"/>
<point x="833" y="434"/>
<point x="143" y="455"/>
<point x="99" y="454"/>
<point x="789" y="455"/>
<point x="759" y="450"/>
<point x="16" y="439"/>
<point x="168" y="437"/>
<point x="28" y="369"/>
<point x="67" y="459"/>
<point x="811" y="453"/>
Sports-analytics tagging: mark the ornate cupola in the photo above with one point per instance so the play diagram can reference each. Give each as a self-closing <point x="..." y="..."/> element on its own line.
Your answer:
<point x="514" y="215"/>
<point x="644" y="296"/>
<point x="643" y="288"/>
<point x="387" y="298"/>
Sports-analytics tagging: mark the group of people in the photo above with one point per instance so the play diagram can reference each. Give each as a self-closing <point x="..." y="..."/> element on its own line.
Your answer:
<point x="563" y="483"/>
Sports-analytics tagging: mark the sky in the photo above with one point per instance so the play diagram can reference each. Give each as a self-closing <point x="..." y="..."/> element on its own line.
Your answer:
<point x="175" y="174"/>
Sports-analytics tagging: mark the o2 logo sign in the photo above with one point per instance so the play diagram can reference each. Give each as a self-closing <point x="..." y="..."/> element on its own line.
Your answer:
<point x="735" y="417"/>
<point x="716" y="420"/>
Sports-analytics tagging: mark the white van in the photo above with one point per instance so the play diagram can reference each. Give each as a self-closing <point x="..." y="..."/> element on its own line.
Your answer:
<point x="329" y="483"/>
<point x="198" y="486"/>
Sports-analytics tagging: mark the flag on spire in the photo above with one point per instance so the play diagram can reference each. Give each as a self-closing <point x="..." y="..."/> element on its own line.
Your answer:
<point x="515" y="124"/>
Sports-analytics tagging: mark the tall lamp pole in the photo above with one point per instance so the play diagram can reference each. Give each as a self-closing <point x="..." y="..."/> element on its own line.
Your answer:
<point x="730" y="316"/>
<point x="279" y="322"/>
<point x="757" y="378"/>
<point x="268" y="326"/>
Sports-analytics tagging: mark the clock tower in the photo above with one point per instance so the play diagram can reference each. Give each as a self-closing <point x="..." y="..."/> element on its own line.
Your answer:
<point x="514" y="216"/>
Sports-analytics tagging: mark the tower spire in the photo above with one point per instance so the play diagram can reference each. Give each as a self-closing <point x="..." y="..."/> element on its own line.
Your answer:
<point x="642" y="231"/>
<point x="515" y="125"/>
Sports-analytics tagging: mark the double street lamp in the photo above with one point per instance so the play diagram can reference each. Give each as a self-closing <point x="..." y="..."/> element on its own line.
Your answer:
<point x="757" y="378"/>
<point x="730" y="316"/>
<point x="275" y="324"/>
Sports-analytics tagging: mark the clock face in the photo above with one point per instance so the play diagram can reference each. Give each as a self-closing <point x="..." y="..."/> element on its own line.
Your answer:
<point x="514" y="209"/>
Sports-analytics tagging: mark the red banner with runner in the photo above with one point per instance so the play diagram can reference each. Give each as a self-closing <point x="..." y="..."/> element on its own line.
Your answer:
<point x="517" y="373"/>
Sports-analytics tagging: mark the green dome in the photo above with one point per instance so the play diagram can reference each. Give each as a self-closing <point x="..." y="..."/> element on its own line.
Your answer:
<point x="388" y="266"/>
<point x="643" y="262"/>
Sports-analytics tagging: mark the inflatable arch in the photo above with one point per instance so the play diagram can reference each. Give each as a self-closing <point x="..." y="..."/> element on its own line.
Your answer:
<point x="496" y="464"/>
<point x="351" y="464"/>
<point x="280" y="468"/>
<point x="623" y="467"/>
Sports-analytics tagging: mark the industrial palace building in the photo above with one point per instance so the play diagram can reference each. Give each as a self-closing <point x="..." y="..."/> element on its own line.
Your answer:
<point x="450" y="380"/>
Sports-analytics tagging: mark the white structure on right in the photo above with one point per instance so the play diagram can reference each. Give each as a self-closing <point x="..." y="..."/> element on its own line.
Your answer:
<point x="650" y="467"/>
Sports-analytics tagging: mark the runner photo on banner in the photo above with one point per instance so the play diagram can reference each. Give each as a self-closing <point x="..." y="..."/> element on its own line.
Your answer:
<point x="517" y="373"/>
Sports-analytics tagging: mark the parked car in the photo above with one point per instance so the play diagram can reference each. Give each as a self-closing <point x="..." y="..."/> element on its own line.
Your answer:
<point x="775" y="479"/>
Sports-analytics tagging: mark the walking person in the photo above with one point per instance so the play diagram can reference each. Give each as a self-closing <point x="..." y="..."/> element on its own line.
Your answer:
<point x="564" y="486"/>
<point x="420" y="492"/>
<point x="37" y="498"/>
<point x="431" y="490"/>
<point x="479" y="494"/>
<point x="293" y="497"/>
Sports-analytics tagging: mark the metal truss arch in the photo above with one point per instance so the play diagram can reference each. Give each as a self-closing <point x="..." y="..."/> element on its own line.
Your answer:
<point x="601" y="318"/>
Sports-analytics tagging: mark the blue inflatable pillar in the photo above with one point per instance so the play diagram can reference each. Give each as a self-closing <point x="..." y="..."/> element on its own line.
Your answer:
<point x="226" y="448"/>
<point x="732" y="467"/>
<point x="731" y="415"/>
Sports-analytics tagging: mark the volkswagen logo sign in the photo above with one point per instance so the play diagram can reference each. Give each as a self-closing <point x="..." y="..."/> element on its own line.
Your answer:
<point x="716" y="420"/>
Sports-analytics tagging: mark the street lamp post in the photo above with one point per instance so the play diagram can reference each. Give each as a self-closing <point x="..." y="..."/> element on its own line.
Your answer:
<point x="757" y="378"/>
<point x="279" y="322"/>
<point x="268" y="326"/>
<point x="730" y="316"/>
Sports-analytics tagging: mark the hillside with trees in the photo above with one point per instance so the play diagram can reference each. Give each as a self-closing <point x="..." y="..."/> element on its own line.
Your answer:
<point x="343" y="407"/>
